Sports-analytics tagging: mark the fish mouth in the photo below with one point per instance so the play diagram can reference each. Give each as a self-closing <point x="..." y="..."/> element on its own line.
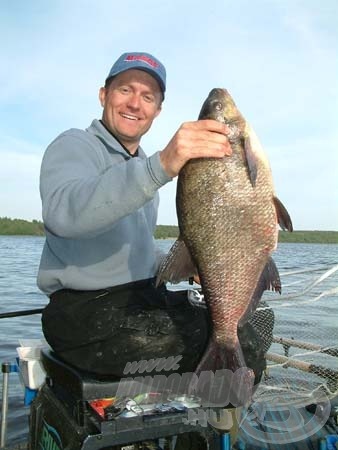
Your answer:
<point x="218" y="92"/>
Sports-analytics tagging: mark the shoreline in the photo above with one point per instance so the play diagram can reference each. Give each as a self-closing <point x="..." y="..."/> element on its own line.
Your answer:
<point x="20" y="227"/>
<point x="305" y="238"/>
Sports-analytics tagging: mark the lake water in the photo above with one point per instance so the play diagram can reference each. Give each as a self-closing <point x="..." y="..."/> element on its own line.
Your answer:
<point x="306" y="311"/>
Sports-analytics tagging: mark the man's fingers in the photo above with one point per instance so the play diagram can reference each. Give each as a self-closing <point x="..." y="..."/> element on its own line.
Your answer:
<point x="211" y="151"/>
<point x="207" y="125"/>
<point x="199" y="139"/>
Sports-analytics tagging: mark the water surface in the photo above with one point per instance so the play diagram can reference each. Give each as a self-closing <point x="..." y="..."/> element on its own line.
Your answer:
<point x="305" y="317"/>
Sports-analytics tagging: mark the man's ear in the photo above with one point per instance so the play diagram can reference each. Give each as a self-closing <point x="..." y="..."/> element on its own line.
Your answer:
<point x="102" y="96"/>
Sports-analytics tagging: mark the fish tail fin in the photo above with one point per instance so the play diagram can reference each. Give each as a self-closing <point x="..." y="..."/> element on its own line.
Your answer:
<point x="218" y="357"/>
<point x="235" y="358"/>
<point x="214" y="358"/>
<point x="243" y="379"/>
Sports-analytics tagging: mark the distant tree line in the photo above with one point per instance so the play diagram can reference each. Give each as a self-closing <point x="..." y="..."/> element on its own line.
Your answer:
<point x="166" y="232"/>
<point x="21" y="227"/>
<point x="35" y="228"/>
<point x="311" y="237"/>
<point x="320" y="237"/>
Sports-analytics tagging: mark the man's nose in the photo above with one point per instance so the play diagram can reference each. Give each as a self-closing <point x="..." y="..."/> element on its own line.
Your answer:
<point x="134" y="101"/>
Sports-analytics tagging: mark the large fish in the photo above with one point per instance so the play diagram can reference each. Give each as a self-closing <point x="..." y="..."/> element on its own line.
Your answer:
<point x="228" y="215"/>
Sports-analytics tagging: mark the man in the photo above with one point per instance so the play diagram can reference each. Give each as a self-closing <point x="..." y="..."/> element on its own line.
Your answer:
<point x="99" y="195"/>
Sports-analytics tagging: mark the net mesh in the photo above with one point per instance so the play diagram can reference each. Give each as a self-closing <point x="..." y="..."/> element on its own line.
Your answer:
<point x="302" y="360"/>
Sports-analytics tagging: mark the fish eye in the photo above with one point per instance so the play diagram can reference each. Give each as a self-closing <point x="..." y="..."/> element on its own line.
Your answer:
<point x="218" y="106"/>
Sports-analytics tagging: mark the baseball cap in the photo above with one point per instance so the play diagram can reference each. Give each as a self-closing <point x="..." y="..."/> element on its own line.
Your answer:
<point x="142" y="61"/>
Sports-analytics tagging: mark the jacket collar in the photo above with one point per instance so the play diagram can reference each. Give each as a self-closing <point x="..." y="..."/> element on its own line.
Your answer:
<point x="99" y="130"/>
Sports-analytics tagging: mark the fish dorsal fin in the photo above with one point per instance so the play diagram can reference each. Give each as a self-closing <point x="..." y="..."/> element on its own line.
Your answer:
<point x="177" y="265"/>
<point x="283" y="217"/>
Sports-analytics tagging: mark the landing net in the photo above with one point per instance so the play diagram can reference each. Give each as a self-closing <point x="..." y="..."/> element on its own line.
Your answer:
<point x="302" y="361"/>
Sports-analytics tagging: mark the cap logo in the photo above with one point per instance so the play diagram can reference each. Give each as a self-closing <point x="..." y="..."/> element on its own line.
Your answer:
<point x="143" y="58"/>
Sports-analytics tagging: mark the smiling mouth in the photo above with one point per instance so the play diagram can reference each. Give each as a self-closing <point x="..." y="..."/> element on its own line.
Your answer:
<point x="129" y="117"/>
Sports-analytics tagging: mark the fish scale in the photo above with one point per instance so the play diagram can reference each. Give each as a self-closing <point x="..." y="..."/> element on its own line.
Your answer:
<point x="227" y="215"/>
<point x="224" y="186"/>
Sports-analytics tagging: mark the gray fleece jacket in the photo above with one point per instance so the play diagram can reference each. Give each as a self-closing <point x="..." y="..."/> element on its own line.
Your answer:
<point x="99" y="208"/>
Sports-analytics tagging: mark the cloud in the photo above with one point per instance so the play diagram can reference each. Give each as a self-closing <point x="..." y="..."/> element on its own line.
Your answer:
<point x="278" y="60"/>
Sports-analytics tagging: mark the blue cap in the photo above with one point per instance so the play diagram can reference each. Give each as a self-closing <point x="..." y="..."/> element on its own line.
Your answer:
<point x="141" y="61"/>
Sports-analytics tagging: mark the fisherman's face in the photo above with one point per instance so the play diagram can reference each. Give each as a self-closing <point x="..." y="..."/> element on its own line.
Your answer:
<point x="130" y="104"/>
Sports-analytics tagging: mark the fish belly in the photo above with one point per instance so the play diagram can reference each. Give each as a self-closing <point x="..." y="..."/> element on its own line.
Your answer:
<point x="230" y="230"/>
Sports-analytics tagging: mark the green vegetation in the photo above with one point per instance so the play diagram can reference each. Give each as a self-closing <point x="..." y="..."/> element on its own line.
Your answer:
<point x="21" y="227"/>
<point x="35" y="228"/>
<point x="166" y="232"/>
<point x="313" y="237"/>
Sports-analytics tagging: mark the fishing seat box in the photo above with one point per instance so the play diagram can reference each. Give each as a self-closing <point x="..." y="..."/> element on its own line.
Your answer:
<point x="63" y="404"/>
<point x="80" y="384"/>
<point x="74" y="387"/>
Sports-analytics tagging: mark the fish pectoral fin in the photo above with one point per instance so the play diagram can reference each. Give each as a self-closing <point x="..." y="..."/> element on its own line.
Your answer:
<point x="250" y="159"/>
<point x="177" y="266"/>
<point x="283" y="217"/>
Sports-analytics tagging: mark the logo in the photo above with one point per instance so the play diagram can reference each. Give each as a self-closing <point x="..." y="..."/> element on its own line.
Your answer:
<point x="282" y="422"/>
<point x="279" y="419"/>
<point x="143" y="58"/>
<point x="213" y="389"/>
<point x="158" y="364"/>
<point x="50" y="438"/>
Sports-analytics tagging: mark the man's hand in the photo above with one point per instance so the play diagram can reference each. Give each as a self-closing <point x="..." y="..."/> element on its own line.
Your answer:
<point x="199" y="139"/>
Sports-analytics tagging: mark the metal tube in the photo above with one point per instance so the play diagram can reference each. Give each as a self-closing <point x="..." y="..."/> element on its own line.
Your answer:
<point x="305" y="345"/>
<point x="4" y="408"/>
<point x="26" y="312"/>
<point x="225" y="441"/>
<point x="331" y="374"/>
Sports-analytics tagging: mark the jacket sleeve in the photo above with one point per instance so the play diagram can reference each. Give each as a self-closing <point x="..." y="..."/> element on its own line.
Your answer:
<point x="83" y="195"/>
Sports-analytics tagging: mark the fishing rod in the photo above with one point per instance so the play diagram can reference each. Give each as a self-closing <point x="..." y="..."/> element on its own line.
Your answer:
<point x="331" y="374"/>
<point x="332" y="351"/>
<point x="25" y="312"/>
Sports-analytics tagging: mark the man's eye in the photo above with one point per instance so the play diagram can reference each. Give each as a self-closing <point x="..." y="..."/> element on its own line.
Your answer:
<point x="124" y="90"/>
<point x="149" y="98"/>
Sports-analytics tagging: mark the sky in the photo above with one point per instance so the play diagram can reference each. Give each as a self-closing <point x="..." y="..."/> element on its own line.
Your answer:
<point x="277" y="58"/>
